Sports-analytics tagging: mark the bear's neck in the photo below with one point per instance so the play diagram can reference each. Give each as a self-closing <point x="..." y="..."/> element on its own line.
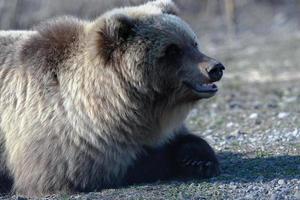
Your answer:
<point x="112" y="110"/>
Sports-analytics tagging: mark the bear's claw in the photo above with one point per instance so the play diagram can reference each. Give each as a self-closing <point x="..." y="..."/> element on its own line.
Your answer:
<point x="197" y="161"/>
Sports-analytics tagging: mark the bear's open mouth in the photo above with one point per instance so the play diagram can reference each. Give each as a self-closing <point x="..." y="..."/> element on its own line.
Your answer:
<point x="203" y="90"/>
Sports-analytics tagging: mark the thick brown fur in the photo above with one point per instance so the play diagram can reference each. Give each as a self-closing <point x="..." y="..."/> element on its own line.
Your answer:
<point x="81" y="101"/>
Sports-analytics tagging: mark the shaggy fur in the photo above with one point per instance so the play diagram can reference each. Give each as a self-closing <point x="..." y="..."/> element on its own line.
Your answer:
<point x="89" y="105"/>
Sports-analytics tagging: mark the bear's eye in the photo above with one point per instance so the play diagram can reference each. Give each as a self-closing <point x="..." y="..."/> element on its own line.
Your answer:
<point x="173" y="50"/>
<point x="195" y="44"/>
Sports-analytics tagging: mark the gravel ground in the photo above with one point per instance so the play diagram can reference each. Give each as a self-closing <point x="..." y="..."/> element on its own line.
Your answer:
<point x="253" y="123"/>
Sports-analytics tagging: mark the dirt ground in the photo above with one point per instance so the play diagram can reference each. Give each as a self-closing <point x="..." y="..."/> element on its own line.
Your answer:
<point x="253" y="123"/>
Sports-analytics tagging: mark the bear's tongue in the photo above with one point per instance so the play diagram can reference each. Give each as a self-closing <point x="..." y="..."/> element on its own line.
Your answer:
<point x="204" y="88"/>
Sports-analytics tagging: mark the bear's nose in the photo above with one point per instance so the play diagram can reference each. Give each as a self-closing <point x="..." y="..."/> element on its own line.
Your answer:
<point x="215" y="73"/>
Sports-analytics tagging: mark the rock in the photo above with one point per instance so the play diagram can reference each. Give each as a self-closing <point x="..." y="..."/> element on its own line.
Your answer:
<point x="272" y="105"/>
<point x="249" y="196"/>
<point x="273" y="197"/>
<point x="290" y="99"/>
<point x="281" y="182"/>
<point x="21" y="198"/>
<point x="297" y="194"/>
<point x="235" y="105"/>
<point x="229" y="124"/>
<point x="260" y="178"/>
<point x="180" y="196"/>
<point x="253" y="116"/>
<point x="232" y="186"/>
<point x="282" y="115"/>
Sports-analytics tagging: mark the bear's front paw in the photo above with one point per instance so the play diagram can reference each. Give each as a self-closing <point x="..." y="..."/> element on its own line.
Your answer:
<point x="197" y="160"/>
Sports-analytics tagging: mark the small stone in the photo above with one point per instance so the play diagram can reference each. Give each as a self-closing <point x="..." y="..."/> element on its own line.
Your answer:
<point x="297" y="194"/>
<point x="273" y="197"/>
<point x="258" y="122"/>
<point x="282" y="115"/>
<point x="180" y="196"/>
<point x="249" y="188"/>
<point x="232" y="186"/>
<point x="260" y="178"/>
<point x="281" y="182"/>
<point x="230" y="124"/>
<point x="272" y="105"/>
<point x="253" y="116"/>
<point x="257" y="106"/>
<point x="214" y="105"/>
<point x="234" y="105"/>
<point x="21" y="198"/>
<point x="249" y="196"/>
<point x="290" y="99"/>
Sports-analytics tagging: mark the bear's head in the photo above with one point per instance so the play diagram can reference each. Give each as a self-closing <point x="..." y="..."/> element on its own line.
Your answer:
<point x="154" y="51"/>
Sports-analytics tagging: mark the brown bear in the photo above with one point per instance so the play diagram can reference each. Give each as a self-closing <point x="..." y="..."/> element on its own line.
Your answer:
<point x="87" y="105"/>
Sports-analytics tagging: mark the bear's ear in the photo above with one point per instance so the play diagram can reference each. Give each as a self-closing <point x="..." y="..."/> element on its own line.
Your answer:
<point x="166" y="6"/>
<point x="118" y="28"/>
<point x="112" y="32"/>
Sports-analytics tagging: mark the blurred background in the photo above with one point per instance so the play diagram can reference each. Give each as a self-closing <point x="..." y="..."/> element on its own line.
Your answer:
<point x="215" y="18"/>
